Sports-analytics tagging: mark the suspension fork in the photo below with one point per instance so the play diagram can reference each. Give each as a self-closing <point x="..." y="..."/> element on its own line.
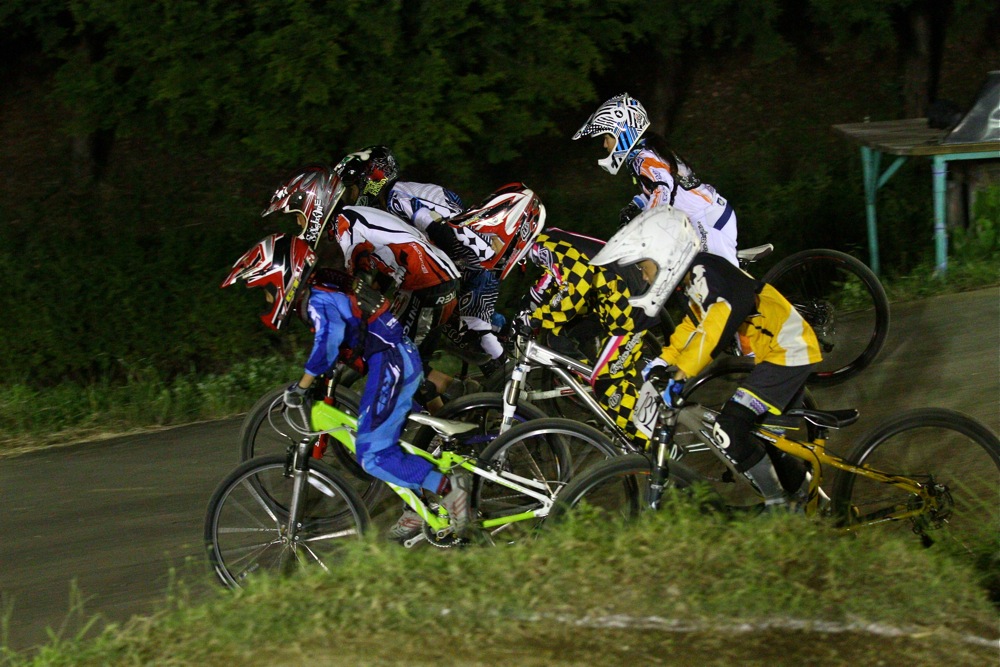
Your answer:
<point x="660" y="445"/>
<point x="298" y="469"/>
<point x="512" y="394"/>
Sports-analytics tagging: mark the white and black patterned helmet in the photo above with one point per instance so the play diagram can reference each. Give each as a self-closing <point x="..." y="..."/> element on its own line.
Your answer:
<point x="624" y="119"/>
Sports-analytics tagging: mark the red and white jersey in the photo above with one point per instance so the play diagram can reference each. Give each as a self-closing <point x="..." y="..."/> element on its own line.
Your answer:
<point x="374" y="239"/>
<point x="712" y="216"/>
<point x="418" y="202"/>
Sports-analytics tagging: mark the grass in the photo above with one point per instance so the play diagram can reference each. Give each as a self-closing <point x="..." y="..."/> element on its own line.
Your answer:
<point x="699" y="588"/>
<point x="31" y="417"/>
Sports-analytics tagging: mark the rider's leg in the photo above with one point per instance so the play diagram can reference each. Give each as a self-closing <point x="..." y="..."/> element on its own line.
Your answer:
<point x="747" y="457"/>
<point x="768" y="388"/>
<point x="393" y="377"/>
<point x="615" y="381"/>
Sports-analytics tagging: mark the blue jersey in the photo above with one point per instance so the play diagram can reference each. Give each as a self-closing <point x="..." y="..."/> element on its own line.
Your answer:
<point x="339" y="327"/>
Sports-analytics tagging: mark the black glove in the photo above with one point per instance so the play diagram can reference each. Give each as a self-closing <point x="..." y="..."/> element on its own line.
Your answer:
<point x="660" y="376"/>
<point x="630" y="211"/>
<point x="295" y="396"/>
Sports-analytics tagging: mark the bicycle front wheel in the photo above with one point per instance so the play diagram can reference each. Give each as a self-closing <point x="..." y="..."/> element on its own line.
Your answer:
<point x="265" y="432"/>
<point x="543" y="454"/>
<point x="845" y="304"/>
<point x="954" y="452"/>
<point x="247" y="523"/>
<point x="616" y="489"/>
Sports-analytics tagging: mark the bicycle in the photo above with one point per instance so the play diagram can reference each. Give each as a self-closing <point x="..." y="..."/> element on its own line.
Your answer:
<point x="932" y="471"/>
<point x="265" y="430"/>
<point x="840" y="297"/>
<point x="566" y="377"/>
<point x="276" y="513"/>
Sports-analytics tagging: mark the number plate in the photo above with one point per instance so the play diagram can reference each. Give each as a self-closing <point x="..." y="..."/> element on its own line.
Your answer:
<point x="646" y="409"/>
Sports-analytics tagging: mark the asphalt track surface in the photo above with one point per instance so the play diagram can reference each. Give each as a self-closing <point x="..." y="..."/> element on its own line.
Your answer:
<point x="112" y="524"/>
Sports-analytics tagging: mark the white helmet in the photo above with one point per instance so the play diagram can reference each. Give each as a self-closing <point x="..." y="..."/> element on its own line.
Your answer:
<point x="661" y="234"/>
<point x="623" y="118"/>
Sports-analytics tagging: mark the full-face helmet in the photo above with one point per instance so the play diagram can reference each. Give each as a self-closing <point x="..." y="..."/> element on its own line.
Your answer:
<point x="279" y="263"/>
<point x="373" y="169"/>
<point x="314" y="193"/>
<point x="662" y="234"/>
<point x="508" y="220"/>
<point x="624" y="119"/>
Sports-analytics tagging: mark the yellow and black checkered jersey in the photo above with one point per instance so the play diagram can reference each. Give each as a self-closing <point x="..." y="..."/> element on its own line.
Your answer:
<point x="579" y="288"/>
<point x="576" y="288"/>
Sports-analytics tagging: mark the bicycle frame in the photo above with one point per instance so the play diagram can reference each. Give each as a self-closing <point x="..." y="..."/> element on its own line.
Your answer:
<point x="531" y="355"/>
<point x="326" y="419"/>
<point x="692" y="416"/>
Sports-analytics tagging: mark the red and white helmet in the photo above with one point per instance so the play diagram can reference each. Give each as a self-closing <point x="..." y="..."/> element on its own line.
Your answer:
<point x="508" y="220"/>
<point x="280" y="263"/>
<point x="662" y="234"/>
<point x="314" y="192"/>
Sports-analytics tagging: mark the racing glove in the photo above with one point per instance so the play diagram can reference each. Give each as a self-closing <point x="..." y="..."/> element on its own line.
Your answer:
<point x="295" y="396"/>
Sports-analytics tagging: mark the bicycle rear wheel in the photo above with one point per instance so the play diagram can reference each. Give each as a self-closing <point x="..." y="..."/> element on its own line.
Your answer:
<point x="950" y="448"/>
<point x="246" y="526"/>
<point x="616" y="489"/>
<point x="545" y="452"/>
<point x="845" y="304"/>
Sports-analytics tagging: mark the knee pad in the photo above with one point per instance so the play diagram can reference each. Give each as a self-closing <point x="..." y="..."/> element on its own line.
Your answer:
<point x="732" y="436"/>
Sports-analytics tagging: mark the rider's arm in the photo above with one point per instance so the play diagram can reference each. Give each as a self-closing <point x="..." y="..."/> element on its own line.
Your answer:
<point x="329" y="321"/>
<point x="565" y="303"/>
<point x="720" y="298"/>
<point x="655" y="178"/>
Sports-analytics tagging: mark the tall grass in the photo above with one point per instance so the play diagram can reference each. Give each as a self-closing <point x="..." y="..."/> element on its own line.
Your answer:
<point x="680" y="584"/>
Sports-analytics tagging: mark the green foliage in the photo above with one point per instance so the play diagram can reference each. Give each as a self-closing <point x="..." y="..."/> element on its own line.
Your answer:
<point x="438" y="80"/>
<point x="585" y="593"/>
<point x="70" y="412"/>
<point x="981" y="240"/>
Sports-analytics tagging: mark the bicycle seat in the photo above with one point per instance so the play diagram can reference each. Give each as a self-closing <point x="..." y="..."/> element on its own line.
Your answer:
<point x="826" y="418"/>
<point x="446" y="427"/>
<point x="754" y="253"/>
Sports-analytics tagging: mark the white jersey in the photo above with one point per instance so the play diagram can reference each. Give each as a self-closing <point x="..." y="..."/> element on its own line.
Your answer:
<point x="421" y="204"/>
<point x="417" y="203"/>
<point x="373" y="239"/>
<point x="712" y="216"/>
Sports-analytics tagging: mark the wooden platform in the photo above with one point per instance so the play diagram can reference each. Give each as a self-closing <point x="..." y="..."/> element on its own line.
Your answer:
<point x="910" y="136"/>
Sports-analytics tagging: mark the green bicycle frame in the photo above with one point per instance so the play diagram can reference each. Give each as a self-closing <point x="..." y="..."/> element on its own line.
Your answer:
<point x="326" y="418"/>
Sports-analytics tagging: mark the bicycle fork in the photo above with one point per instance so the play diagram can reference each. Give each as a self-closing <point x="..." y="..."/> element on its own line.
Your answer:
<point x="660" y="445"/>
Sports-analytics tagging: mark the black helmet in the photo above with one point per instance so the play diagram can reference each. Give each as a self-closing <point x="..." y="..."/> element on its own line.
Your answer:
<point x="373" y="169"/>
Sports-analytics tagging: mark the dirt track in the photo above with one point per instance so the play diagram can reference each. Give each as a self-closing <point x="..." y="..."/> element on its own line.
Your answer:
<point x="115" y="516"/>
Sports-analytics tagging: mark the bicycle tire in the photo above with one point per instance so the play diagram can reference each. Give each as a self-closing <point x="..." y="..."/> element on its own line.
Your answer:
<point x="845" y="304"/>
<point x="260" y="436"/>
<point x="548" y="451"/>
<point x="616" y="489"/>
<point x="486" y="409"/>
<point x="244" y="530"/>
<point x="955" y="449"/>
